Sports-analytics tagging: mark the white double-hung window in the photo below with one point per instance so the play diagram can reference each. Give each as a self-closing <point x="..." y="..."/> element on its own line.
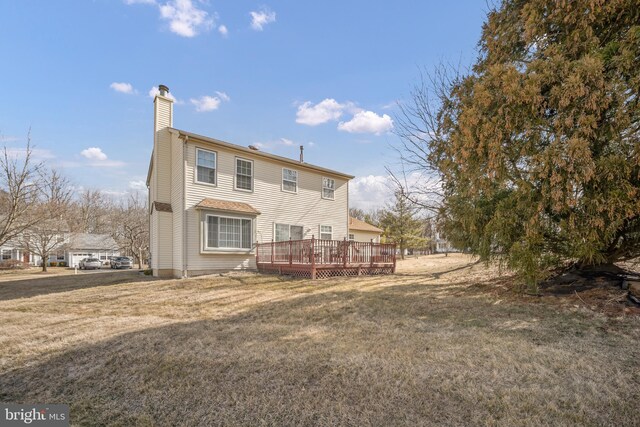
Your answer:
<point x="244" y="174"/>
<point x="289" y="180"/>
<point x="328" y="188"/>
<point x="205" y="166"/>
<point x="326" y="232"/>
<point x="228" y="233"/>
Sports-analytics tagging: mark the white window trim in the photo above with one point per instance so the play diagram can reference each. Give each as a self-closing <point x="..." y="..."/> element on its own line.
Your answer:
<point x="205" y="232"/>
<point x="289" y="225"/>
<point x="320" y="233"/>
<point x="282" y="181"/>
<point x="334" y="190"/>
<point x="235" y="174"/>
<point x="195" y="169"/>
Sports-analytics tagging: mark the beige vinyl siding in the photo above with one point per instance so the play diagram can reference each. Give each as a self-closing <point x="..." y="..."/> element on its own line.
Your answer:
<point x="161" y="184"/>
<point x="162" y="166"/>
<point x="165" y="240"/>
<point x="365" y="236"/>
<point x="177" y="190"/>
<point x="153" y="239"/>
<point x="306" y="207"/>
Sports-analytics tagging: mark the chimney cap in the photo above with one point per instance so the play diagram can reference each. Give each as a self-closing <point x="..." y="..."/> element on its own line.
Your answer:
<point x="163" y="90"/>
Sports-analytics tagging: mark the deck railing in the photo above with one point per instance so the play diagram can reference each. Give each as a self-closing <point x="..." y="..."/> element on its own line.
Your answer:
<point x="320" y="252"/>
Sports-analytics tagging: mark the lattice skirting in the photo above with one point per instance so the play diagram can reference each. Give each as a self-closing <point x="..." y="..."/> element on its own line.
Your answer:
<point x="323" y="273"/>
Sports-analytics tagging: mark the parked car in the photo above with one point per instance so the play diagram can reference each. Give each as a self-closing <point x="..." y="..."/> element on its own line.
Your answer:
<point x="90" y="264"/>
<point x="121" y="262"/>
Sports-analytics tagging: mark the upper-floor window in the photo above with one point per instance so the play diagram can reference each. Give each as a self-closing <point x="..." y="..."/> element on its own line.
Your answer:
<point x="228" y="233"/>
<point x="244" y="174"/>
<point x="326" y="232"/>
<point x="328" y="188"/>
<point x="286" y="232"/>
<point x="289" y="180"/>
<point x="206" y="166"/>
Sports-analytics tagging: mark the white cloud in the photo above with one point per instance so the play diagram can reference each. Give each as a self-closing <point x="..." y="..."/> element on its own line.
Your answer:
<point x="97" y="158"/>
<point x="286" y="141"/>
<point x="223" y="96"/>
<point x="367" y="122"/>
<point x="114" y="193"/>
<point x="222" y="29"/>
<point x="93" y="153"/>
<point x="326" y="110"/>
<point x="184" y="18"/>
<point x="138" y="185"/>
<point x="377" y="191"/>
<point x="312" y="144"/>
<point x="9" y="138"/>
<point x="261" y="18"/>
<point x="209" y="103"/>
<point x="36" y="153"/>
<point x="206" y="103"/>
<point x="122" y="87"/>
<point x="275" y="145"/>
<point x="370" y="192"/>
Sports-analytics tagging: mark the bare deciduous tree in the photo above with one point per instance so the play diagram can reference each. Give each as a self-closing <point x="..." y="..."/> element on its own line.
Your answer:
<point x="130" y="227"/>
<point x="48" y="215"/>
<point x="18" y="191"/>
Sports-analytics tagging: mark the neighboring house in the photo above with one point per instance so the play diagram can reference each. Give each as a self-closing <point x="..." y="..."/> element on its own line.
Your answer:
<point x="10" y="251"/>
<point x="443" y="245"/>
<point x="72" y="248"/>
<point x="85" y="245"/>
<point x="360" y="231"/>
<point x="211" y="202"/>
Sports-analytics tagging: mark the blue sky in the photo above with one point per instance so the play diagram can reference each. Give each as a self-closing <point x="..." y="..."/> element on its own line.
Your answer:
<point x="324" y="74"/>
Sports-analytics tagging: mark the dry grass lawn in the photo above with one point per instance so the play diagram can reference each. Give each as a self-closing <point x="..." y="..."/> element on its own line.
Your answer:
<point x="429" y="346"/>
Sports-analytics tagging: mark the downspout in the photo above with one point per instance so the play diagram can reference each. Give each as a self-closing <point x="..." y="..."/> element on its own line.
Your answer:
<point x="185" y="235"/>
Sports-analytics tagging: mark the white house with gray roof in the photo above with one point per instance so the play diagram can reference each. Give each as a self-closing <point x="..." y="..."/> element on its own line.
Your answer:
<point x="85" y="245"/>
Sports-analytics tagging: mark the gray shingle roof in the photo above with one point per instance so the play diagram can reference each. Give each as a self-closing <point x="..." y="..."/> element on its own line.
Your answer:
<point x="91" y="241"/>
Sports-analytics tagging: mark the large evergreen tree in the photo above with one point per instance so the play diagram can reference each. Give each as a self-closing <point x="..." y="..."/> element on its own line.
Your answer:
<point x="538" y="147"/>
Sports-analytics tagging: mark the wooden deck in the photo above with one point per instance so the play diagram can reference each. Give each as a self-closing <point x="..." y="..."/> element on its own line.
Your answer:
<point x="317" y="259"/>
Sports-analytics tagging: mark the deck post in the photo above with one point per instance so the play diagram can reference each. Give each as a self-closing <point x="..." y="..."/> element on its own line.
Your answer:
<point x="371" y="254"/>
<point x="393" y="269"/>
<point x="290" y="253"/>
<point x="313" y="258"/>
<point x="344" y="253"/>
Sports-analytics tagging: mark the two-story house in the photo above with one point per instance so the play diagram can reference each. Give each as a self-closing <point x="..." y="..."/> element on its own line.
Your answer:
<point x="211" y="202"/>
